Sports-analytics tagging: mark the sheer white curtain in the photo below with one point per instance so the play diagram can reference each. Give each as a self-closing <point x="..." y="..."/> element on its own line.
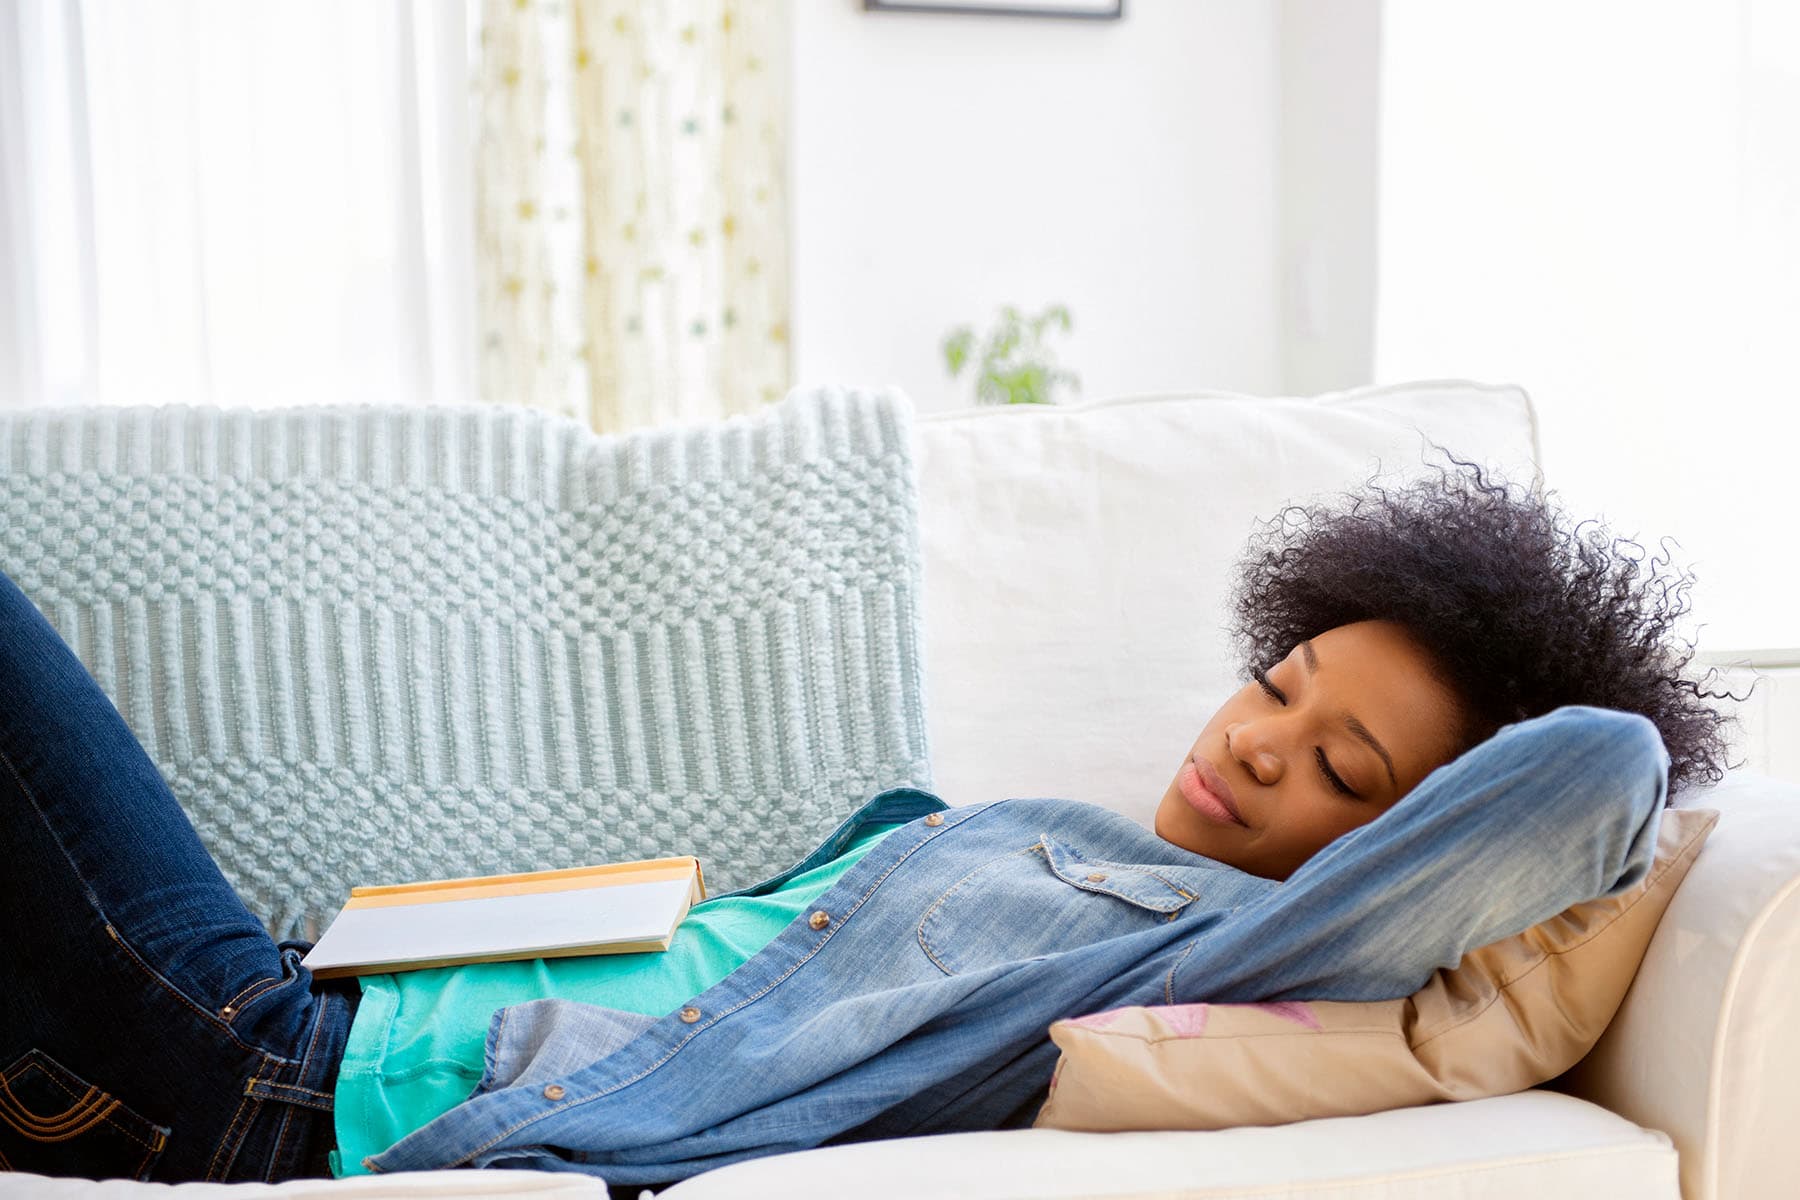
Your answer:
<point x="1601" y="201"/>
<point x="209" y="201"/>
<point x="631" y="212"/>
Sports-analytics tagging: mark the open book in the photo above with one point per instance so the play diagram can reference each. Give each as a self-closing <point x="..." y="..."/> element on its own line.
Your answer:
<point x="618" y="908"/>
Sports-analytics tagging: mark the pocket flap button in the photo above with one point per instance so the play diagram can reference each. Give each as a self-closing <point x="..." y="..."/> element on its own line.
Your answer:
<point x="1097" y="877"/>
<point x="934" y="818"/>
<point x="690" y="1015"/>
<point x="819" y="919"/>
<point x="554" y="1092"/>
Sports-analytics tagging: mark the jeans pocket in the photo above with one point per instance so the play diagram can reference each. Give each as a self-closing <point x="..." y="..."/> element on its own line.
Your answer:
<point x="54" y="1123"/>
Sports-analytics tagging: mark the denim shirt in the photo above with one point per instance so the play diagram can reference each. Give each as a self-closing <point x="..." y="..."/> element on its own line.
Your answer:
<point x="916" y="999"/>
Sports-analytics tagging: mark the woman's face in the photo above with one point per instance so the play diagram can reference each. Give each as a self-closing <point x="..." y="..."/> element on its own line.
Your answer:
<point x="1350" y="721"/>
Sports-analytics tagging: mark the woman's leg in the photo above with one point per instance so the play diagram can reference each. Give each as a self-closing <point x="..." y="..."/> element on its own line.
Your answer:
<point x="149" y="1026"/>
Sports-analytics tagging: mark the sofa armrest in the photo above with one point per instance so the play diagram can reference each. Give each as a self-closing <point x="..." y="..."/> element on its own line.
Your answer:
<point x="1704" y="1046"/>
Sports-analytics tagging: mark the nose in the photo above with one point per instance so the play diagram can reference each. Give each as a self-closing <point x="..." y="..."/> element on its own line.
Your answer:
<point x="1249" y="743"/>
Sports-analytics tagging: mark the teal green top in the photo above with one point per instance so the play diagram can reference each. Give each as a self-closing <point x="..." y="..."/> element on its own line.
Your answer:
<point x="417" y="1040"/>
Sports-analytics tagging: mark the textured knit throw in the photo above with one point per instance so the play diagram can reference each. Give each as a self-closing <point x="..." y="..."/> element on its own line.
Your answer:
<point x="376" y="644"/>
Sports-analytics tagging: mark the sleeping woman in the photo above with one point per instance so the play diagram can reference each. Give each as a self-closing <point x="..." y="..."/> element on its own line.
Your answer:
<point x="1461" y="714"/>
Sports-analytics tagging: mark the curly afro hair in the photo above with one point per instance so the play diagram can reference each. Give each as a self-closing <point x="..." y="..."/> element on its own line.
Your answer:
<point x="1522" y="610"/>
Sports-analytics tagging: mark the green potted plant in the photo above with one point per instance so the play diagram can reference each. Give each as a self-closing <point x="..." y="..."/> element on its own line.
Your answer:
<point x="1014" y="365"/>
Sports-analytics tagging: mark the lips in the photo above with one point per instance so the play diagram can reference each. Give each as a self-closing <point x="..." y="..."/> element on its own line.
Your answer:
<point x="1210" y="794"/>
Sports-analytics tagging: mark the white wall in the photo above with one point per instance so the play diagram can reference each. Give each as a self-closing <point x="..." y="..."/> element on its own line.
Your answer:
<point x="1598" y="201"/>
<point x="943" y="165"/>
<point x="1330" y="102"/>
<point x="1764" y="739"/>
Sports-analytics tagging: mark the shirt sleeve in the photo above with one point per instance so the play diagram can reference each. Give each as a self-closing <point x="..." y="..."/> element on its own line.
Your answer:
<point x="1546" y="814"/>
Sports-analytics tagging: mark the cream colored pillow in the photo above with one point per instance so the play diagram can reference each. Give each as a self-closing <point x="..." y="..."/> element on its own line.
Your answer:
<point x="1510" y="1016"/>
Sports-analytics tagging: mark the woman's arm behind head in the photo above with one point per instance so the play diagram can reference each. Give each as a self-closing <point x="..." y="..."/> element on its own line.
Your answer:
<point x="1545" y="814"/>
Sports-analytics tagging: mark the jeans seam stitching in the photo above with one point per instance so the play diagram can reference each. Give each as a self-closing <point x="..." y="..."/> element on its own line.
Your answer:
<point x="74" y="1100"/>
<point x="287" y="1120"/>
<point x="151" y="1146"/>
<point x="92" y="1098"/>
<point x="210" y="1017"/>
<point x="144" y="1162"/>
<point x="212" y="1163"/>
<point x="313" y="1041"/>
<point x="234" y="1134"/>
<point x="250" y="993"/>
<point x="273" y="1086"/>
<point x="96" y="1114"/>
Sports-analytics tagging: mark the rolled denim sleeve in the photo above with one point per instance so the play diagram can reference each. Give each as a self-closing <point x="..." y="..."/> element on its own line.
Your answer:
<point x="1547" y="813"/>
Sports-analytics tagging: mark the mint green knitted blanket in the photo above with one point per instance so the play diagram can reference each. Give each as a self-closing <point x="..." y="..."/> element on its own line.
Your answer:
<point x="374" y="644"/>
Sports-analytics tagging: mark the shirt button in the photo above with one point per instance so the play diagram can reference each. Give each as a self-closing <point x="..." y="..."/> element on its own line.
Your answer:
<point x="819" y="920"/>
<point x="934" y="818"/>
<point x="1097" y="877"/>
<point x="690" y="1015"/>
<point x="554" y="1092"/>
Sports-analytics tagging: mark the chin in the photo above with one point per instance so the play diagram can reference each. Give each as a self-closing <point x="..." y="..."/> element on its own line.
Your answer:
<point x="1157" y="825"/>
<point x="1173" y="834"/>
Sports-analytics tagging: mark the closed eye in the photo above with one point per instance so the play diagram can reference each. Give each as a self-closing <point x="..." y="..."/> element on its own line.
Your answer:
<point x="1331" y="776"/>
<point x="1261" y="678"/>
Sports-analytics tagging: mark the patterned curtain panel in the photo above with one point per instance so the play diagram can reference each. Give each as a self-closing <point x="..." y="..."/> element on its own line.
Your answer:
<point x="631" y="215"/>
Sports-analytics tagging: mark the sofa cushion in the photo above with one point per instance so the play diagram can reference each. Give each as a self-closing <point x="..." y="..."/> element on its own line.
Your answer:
<point x="1536" y="1143"/>
<point x="1511" y="1015"/>
<point x="1076" y="562"/>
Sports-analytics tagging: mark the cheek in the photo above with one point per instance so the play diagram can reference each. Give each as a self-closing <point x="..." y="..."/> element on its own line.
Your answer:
<point x="1315" y="822"/>
<point x="1344" y="821"/>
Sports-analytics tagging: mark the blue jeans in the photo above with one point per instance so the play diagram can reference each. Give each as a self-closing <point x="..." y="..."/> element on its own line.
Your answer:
<point x="149" y="1026"/>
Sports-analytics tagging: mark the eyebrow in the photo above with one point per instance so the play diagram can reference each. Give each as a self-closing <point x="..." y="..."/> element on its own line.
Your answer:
<point x="1355" y="726"/>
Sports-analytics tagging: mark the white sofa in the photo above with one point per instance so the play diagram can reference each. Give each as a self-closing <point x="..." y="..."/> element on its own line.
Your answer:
<point x="1076" y="560"/>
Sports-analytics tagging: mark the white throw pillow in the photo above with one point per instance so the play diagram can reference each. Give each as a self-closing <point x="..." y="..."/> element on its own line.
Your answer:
<point x="1077" y="560"/>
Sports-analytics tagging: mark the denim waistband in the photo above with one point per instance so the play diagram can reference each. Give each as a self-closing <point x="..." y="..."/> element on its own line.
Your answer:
<point x="293" y="1131"/>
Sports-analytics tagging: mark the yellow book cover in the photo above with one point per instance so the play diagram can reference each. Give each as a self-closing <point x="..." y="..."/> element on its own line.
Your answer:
<point x="615" y="908"/>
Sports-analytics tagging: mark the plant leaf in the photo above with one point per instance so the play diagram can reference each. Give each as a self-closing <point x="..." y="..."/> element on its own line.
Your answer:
<point x="956" y="348"/>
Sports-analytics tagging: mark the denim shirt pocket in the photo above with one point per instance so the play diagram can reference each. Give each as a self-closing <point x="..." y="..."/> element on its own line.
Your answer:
<point x="1046" y="898"/>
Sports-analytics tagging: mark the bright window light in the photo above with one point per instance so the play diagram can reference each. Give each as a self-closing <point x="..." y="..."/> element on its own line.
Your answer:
<point x="1601" y="202"/>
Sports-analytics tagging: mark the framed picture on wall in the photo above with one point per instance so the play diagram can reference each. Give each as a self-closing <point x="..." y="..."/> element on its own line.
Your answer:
<point x="1088" y="10"/>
